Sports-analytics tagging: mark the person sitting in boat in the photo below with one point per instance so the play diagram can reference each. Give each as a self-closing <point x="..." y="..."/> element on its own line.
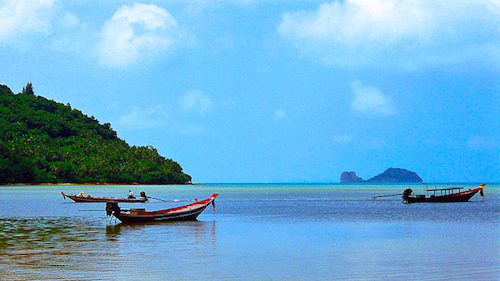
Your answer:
<point x="80" y="194"/>
<point x="407" y="192"/>
<point x="130" y="195"/>
<point x="143" y="196"/>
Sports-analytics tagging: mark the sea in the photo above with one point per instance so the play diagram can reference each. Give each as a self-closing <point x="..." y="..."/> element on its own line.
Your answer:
<point x="257" y="232"/>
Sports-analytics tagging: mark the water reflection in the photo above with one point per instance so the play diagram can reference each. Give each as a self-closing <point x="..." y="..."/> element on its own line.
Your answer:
<point x="197" y="231"/>
<point x="176" y="248"/>
<point x="41" y="248"/>
<point x="80" y="249"/>
<point x="112" y="231"/>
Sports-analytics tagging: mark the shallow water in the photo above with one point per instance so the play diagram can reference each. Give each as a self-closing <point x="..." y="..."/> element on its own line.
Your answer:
<point x="258" y="232"/>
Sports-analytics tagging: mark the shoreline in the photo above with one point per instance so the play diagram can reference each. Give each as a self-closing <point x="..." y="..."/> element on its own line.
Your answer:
<point x="76" y="184"/>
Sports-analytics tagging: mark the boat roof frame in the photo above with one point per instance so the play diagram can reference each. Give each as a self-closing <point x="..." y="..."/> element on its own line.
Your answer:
<point x="449" y="188"/>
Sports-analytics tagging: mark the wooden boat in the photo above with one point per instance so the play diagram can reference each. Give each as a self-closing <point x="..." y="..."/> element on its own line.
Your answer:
<point x="137" y="215"/>
<point x="91" y="199"/>
<point x="452" y="194"/>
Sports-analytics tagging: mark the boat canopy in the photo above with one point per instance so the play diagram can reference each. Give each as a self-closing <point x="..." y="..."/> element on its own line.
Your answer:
<point x="445" y="191"/>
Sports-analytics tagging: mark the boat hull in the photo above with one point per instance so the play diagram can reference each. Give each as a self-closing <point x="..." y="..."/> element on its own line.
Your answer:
<point x="90" y="199"/>
<point x="183" y="213"/>
<point x="187" y="216"/>
<point x="457" y="197"/>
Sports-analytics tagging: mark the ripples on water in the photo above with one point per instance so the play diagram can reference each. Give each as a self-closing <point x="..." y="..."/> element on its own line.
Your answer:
<point x="79" y="249"/>
<point x="50" y="248"/>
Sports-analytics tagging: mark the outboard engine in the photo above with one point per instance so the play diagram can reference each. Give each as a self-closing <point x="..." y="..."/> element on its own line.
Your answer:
<point x="143" y="196"/>
<point x="112" y="208"/>
<point x="407" y="193"/>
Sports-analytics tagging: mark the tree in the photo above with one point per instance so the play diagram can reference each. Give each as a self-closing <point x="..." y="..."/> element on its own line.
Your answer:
<point x="4" y="90"/>
<point x="28" y="90"/>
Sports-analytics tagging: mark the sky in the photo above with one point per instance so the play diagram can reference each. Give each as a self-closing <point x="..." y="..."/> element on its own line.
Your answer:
<point x="256" y="91"/>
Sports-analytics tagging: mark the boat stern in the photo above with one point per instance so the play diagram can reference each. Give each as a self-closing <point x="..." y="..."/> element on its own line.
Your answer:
<point x="112" y="208"/>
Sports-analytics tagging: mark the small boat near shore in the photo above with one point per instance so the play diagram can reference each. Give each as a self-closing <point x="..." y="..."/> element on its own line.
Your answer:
<point x="91" y="199"/>
<point x="139" y="215"/>
<point x="440" y="195"/>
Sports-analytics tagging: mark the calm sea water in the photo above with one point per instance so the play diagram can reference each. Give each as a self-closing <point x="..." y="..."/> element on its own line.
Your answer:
<point x="258" y="232"/>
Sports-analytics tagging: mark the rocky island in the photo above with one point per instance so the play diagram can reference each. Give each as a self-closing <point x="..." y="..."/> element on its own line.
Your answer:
<point x="350" y="177"/>
<point x="389" y="175"/>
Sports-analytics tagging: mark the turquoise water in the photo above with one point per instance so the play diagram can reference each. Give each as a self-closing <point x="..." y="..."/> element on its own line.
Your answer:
<point x="258" y="232"/>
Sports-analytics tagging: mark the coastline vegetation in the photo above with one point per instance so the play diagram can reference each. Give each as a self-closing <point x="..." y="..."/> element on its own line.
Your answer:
<point x="42" y="141"/>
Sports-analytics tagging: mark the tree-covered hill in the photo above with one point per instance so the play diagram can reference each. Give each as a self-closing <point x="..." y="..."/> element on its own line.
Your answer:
<point x="42" y="141"/>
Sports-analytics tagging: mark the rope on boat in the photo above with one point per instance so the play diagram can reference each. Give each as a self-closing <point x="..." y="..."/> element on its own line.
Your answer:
<point x="158" y="199"/>
<point x="387" y="195"/>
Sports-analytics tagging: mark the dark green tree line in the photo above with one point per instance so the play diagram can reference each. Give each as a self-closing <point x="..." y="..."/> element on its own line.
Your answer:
<point x="42" y="141"/>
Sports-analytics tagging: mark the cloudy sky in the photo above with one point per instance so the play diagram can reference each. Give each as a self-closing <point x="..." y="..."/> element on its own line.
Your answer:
<point x="274" y="91"/>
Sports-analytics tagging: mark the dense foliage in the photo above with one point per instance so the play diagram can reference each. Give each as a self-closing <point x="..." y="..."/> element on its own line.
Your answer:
<point x="42" y="141"/>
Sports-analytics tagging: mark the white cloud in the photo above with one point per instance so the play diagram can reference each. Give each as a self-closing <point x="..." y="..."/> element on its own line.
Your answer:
<point x="34" y="24"/>
<point x="390" y="32"/>
<point x="196" y="101"/>
<point x="493" y="5"/>
<point x="371" y="101"/>
<point x="21" y="17"/>
<point x="135" y="33"/>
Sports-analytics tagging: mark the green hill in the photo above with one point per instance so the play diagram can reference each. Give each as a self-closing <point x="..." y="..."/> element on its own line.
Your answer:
<point x="42" y="141"/>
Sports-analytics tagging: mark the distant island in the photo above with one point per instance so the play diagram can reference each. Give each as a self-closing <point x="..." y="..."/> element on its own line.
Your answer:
<point x="389" y="175"/>
<point x="42" y="141"/>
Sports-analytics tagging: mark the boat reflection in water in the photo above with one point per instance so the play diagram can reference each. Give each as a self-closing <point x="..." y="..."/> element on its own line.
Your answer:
<point x="196" y="231"/>
<point x="440" y="195"/>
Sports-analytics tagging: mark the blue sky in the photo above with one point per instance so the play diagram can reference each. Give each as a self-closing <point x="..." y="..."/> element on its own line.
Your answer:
<point x="274" y="91"/>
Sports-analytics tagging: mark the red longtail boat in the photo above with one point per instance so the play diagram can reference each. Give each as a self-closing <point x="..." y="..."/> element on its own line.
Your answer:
<point x="440" y="195"/>
<point x="91" y="199"/>
<point x="139" y="215"/>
